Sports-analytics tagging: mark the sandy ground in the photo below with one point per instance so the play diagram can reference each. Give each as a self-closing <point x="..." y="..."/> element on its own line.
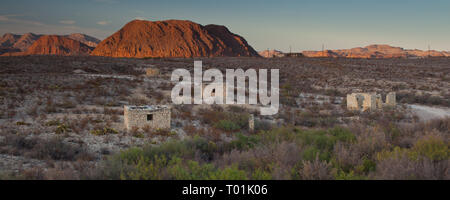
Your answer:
<point x="426" y="113"/>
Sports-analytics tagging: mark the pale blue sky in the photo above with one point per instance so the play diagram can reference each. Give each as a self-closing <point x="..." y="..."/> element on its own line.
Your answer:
<point x="302" y="24"/>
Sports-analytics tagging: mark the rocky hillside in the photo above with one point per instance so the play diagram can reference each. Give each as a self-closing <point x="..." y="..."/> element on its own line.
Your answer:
<point x="12" y="43"/>
<point x="26" y="41"/>
<point x="375" y="51"/>
<point x="8" y="40"/>
<point x="173" y="38"/>
<point x="54" y="45"/>
<point x="85" y="39"/>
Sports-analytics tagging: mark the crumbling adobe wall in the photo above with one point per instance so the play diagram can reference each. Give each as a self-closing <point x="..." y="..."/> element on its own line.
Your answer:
<point x="138" y="118"/>
<point x="251" y="123"/>
<point x="369" y="101"/>
<point x="391" y="99"/>
<point x="352" y="102"/>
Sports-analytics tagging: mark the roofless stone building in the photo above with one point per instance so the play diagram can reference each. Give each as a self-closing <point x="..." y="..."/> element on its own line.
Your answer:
<point x="369" y="101"/>
<point x="155" y="116"/>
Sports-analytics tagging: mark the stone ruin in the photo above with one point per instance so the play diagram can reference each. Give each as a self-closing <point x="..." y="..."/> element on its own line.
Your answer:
<point x="155" y="117"/>
<point x="369" y="101"/>
<point x="251" y="123"/>
<point x="152" y="71"/>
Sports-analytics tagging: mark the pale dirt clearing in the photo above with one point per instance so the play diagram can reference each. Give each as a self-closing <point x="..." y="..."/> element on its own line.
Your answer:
<point x="426" y="113"/>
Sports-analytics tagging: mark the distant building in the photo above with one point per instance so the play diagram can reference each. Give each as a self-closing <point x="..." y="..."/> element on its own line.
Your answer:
<point x="278" y="54"/>
<point x="156" y="117"/>
<point x="293" y="55"/>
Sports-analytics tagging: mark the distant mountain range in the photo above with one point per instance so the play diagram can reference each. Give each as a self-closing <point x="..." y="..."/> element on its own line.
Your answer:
<point x="12" y="44"/>
<point x="371" y="51"/>
<point x="138" y="38"/>
<point x="177" y="38"/>
<point x="54" y="45"/>
<point x="376" y="51"/>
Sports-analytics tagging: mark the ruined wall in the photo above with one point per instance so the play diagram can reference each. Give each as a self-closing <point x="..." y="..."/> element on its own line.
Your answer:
<point x="251" y="123"/>
<point x="138" y="118"/>
<point x="369" y="101"/>
<point x="352" y="103"/>
<point x="391" y="99"/>
<point x="379" y="101"/>
<point x="152" y="72"/>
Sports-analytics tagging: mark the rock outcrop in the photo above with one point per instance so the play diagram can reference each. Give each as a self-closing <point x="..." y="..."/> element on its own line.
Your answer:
<point x="173" y="38"/>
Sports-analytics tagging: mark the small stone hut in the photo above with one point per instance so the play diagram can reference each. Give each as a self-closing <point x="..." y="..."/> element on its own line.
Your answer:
<point x="155" y="116"/>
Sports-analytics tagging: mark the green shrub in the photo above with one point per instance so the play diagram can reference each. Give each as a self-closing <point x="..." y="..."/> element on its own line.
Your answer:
<point x="62" y="128"/>
<point x="431" y="147"/>
<point x="341" y="134"/>
<point x="341" y="175"/>
<point x="53" y="123"/>
<point x="243" y="142"/>
<point x="260" y="174"/>
<point x="310" y="153"/>
<point x="229" y="173"/>
<point x="20" y="123"/>
<point x="226" y="125"/>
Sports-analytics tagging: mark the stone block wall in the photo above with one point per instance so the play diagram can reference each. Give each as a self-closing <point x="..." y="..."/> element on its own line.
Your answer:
<point x="369" y="101"/>
<point x="251" y="123"/>
<point x="391" y="99"/>
<point x="156" y="117"/>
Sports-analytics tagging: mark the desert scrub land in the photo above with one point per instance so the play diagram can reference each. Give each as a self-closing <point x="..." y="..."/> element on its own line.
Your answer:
<point x="62" y="118"/>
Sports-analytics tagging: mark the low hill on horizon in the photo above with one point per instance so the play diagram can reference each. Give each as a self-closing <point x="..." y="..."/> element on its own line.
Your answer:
<point x="376" y="51"/>
<point x="270" y="53"/>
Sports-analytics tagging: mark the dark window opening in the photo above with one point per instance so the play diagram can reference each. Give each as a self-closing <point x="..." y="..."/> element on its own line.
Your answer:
<point x="214" y="91"/>
<point x="150" y="117"/>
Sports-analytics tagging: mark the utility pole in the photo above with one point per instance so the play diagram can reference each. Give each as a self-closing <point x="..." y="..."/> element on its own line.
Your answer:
<point x="323" y="50"/>
<point x="429" y="51"/>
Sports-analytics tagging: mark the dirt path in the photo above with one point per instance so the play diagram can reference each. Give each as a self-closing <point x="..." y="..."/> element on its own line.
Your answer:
<point x="426" y="113"/>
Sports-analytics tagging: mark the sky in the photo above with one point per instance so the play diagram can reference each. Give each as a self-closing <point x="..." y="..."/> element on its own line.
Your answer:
<point x="277" y="24"/>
